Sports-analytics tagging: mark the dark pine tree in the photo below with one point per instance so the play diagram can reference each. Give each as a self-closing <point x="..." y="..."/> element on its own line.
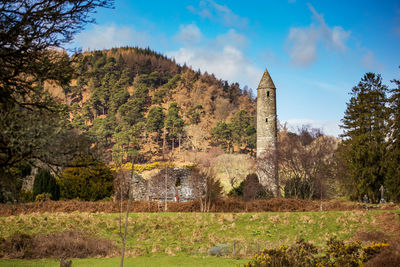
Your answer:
<point x="393" y="154"/>
<point x="364" y="138"/>
<point x="174" y="123"/>
<point x="155" y="121"/>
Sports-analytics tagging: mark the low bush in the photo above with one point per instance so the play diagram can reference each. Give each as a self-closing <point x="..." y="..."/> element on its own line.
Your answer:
<point x="337" y="253"/>
<point x="43" y="197"/>
<point x="25" y="196"/>
<point x="93" y="181"/>
<point x="68" y="244"/>
<point x="389" y="257"/>
<point x="140" y="168"/>
<point x="250" y="189"/>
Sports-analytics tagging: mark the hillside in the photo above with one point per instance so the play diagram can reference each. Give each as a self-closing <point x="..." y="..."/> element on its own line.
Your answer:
<point x="126" y="99"/>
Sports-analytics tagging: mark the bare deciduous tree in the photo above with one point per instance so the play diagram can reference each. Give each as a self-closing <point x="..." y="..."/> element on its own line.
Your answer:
<point x="196" y="139"/>
<point x="208" y="186"/>
<point x="307" y="156"/>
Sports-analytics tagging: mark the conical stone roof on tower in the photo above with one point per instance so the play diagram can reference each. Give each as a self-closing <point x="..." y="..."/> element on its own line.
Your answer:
<point x="266" y="81"/>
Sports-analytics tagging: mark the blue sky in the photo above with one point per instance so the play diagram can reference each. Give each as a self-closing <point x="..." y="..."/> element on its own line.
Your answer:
<point x="315" y="51"/>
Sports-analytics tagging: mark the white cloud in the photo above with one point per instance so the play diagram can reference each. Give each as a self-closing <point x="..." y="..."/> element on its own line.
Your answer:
<point x="189" y="34"/>
<point x="102" y="37"/>
<point x="222" y="56"/>
<point x="303" y="41"/>
<point x="226" y="63"/>
<point x="369" y="61"/>
<point x="222" y="14"/>
<point x="328" y="127"/>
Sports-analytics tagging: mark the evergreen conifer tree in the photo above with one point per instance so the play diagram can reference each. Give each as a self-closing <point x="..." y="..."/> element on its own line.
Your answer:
<point x="155" y="120"/>
<point x="174" y="122"/>
<point x="46" y="183"/>
<point x="393" y="154"/>
<point x="364" y="135"/>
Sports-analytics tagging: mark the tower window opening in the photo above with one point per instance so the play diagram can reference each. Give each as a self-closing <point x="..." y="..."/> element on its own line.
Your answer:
<point x="266" y="120"/>
<point x="267" y="93"/>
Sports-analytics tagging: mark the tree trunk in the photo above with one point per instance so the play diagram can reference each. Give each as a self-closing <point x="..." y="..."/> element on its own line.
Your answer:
<point x="166" y="189"/>
<point x="65" y="263"/>
<point x="179" y="144"/>
<point x="125" y="231"/>
<point x="126" y="217"/>
<point x="120" y="210"/>
<point x="163" y="146"/>
<point x="201" y="204"/>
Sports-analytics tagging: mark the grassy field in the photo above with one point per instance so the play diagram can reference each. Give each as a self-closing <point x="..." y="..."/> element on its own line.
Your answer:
<point x="188" y="234"/>
<point x="138" y="261"/>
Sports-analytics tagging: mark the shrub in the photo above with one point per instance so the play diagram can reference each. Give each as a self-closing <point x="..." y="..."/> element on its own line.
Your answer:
<point x="66" y="244"/>
<point x="19" y="244"/>
<point x="205" y="182"/>
<point x="237" y="191"/>
<point x="43" y="197"/>
<point x="250" y="189"/>
<point x="25" y="196"/>
<point x="253" y="189"/>
<point x="93" y="181"/>
<point x="302" y="253"/>
<point x="389" y="257"/>
<point x="46" y="183"/>
<point x="140" y="168"/>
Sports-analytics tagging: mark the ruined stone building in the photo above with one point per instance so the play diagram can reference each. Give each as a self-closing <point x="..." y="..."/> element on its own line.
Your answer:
<point x="168" y="183"/>
<point x="267" y="166"/>
<point x="181" y="182"/>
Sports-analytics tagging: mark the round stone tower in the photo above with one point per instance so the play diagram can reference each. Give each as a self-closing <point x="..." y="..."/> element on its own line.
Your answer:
<point x="267" y="167"/>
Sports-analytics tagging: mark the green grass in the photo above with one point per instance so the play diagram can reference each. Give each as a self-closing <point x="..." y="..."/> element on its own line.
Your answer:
<point x="139" y="261"/>
<point x="187" y="234"/>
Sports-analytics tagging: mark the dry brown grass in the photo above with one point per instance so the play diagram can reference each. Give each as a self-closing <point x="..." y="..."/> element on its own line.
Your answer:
<point x="222" y="205"/>
<point x="67" y="244"/>
<point x="372" y="236"/>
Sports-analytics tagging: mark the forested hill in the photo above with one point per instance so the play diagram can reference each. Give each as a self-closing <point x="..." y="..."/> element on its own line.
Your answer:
<point x="124" y="99"/>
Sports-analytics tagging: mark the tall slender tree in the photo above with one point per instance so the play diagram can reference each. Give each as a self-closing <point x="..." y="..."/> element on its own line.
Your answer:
<point x="174" y="123"/>
<point x="364" y="125"/>
<point x="393" y="154"/>
<point x="155" y="121"/>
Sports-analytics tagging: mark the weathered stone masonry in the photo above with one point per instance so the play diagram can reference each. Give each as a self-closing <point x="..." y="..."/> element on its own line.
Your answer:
<point x="267" y="168"/>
